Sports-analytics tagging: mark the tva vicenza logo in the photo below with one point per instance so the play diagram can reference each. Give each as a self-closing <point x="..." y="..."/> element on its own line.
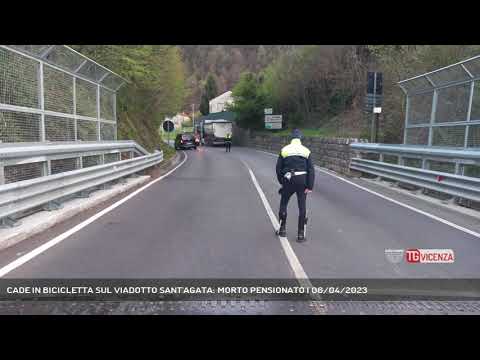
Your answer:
<point x="422" y="256"/>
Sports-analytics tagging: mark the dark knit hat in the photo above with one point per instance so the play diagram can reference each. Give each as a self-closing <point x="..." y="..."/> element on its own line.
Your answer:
<point x="296" y="134"/>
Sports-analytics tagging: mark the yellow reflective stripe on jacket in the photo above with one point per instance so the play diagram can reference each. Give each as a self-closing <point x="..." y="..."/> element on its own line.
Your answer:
<point x="295" y="148"/>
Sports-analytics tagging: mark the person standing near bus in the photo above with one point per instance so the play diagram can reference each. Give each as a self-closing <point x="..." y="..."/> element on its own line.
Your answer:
<point x="228" y="142"/>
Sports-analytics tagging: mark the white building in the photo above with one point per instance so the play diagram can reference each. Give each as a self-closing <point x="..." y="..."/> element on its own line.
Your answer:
<point x="178" y="120"/>
<point x="220" y="103"/>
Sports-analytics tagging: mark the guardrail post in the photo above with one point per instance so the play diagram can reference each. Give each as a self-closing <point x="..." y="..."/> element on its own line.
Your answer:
<point x="53" y="205"/>
<point x="47" y="168"/>
<point x="8" y="222"/>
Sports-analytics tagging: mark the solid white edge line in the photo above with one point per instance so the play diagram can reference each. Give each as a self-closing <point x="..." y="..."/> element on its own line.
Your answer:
<point x="291" y="256"/>
<point x="44" y="247"/>
<point x="434" y="217"/>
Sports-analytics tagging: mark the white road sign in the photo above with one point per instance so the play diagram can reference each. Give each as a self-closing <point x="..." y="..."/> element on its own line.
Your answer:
<point x="268" y="111"/>
<point x="273" y="118"/>
<point x="273" y="121"/>
<point x="273" y="125"/>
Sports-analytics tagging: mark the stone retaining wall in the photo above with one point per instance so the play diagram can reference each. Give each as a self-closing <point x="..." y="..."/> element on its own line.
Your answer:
<point x="331" y="153"/>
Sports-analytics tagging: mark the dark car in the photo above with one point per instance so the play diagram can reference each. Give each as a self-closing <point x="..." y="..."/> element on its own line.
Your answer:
<point x="185" y="141"/>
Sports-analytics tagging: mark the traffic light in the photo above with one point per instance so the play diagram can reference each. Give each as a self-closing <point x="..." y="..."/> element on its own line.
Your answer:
<point x="374" y="83"/>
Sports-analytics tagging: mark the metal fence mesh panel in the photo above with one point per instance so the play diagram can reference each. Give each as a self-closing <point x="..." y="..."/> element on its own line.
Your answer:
<point x="59" y="129"/>
<point x="126" y="155"/>
<point x="71" y="84"/>
<point x="471" y="170"/>
<point x="87" y="130"/>
<point x="32" y="49"/>
<point x="92" y="160"/>
<point x="452" y="103"/>
<point x="18" y="80"/>
<point x="420" y="109"/>
<point x="14" y="173"/>
<point x="449" y="136"/>
<point x="441" y="166"/>
<point x="64" y="58"/>
<point x="452" y="74"/>
<point x="111" y="82"/>
<point x="391" y="159"/>
<point x="58" y="90"/>
<point x="92" y="71"/>
<point x="109" y="158"/>
<point x="86" y="98"/>
<point x="107" y="103"/>
<point x="107" y="131"/>
<point x="412" y="162"/>
<point x="475" y="114"/>
<point x="19" y="127"/>
<point x="474" y="136"/>
<point x="63" y="165"/>
<point x="417" y="136"/>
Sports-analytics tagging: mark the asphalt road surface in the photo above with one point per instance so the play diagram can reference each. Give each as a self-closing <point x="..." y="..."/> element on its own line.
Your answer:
<point x="208" y="220"/>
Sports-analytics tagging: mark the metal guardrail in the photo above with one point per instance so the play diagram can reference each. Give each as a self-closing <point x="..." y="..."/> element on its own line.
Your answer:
<point x="16" y="153"/>
<point x="456" y="185"/>
<point x="41" y="175"/>
<point x="456" y="155"/>
<point x="23" y="195"/>
<point x="430" y="170"/>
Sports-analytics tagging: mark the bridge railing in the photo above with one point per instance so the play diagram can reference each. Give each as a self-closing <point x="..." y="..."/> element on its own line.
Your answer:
<point x="451" y="171"/>
<point x="38" y="176"/>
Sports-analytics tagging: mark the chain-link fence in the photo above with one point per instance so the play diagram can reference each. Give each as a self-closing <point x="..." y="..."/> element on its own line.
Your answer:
<point x="53" y="93"/>
<point x="443" y="106"/>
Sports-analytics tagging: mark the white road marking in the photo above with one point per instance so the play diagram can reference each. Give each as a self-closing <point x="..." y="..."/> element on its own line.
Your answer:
<point x="291" y="256"/>
<point x="44" y="247"/>
<point x="431" y="216"/>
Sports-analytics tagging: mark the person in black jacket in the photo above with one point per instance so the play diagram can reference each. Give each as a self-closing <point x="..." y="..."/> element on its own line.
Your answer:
<point x="296" y="174"/>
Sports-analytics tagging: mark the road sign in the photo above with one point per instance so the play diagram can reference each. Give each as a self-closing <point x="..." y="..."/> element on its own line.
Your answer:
<point x="268" y="111"/>
<point x="377" y="110"/>
<point x="273" y="121"/>
<point x="372" y="101"/>
<point x="168" y="126"/>
<point x="273" y="118"/>
<point x="273" y="126"/>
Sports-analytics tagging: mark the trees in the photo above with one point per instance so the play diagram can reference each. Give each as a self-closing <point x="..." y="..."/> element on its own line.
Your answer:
<point x="210" y="91"/>
<point x="249" y="101"/>
<point x="156" y="88"/>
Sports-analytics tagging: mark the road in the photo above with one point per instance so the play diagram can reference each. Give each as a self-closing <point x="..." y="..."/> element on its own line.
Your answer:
<point x="207" y="219"/>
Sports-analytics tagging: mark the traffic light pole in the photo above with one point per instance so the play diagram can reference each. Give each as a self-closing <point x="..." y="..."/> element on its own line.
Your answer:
<point x="372" y="130"/>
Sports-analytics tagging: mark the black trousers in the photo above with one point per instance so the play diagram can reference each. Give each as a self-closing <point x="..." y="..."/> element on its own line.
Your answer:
<point x="228" y="145"/>
<point x="296" y="185"/>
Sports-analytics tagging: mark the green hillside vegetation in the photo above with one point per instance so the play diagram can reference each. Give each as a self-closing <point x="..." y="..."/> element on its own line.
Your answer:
<point x="156" y="88"/>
